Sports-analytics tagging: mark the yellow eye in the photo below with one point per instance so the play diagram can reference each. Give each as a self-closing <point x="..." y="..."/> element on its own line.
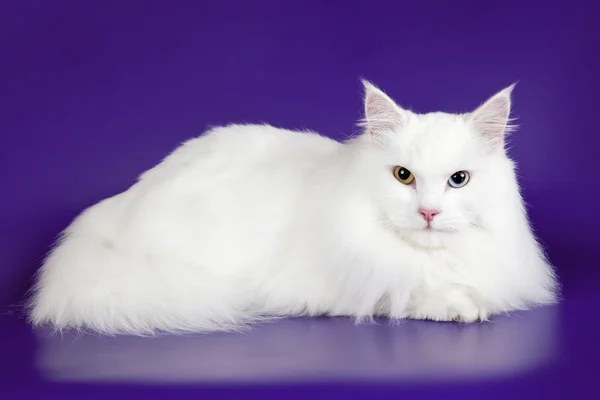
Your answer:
<point x="403" y="175"/>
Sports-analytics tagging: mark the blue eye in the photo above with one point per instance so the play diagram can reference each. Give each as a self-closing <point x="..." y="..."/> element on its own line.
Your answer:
<point x="459" y="179"/>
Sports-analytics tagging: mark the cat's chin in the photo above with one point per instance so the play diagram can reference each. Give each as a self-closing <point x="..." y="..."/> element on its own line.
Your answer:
<point x="426" y="238"/>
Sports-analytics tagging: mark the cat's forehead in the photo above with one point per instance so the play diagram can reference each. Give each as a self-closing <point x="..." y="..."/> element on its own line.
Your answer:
<point x="437" y="141"/>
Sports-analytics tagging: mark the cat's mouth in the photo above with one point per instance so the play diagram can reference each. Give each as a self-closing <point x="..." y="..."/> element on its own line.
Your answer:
<point x="429" y="228"/>
<point x="427" y="237"/>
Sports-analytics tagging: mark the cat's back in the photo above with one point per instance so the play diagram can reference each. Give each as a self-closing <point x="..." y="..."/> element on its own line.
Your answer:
<point x="246" y="145"/>
<point x="229" y="181"/>
<point x="259" y="138"/>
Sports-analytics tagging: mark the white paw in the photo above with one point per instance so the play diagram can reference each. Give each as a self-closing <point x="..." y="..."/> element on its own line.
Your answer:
<point x="454" y="304"/>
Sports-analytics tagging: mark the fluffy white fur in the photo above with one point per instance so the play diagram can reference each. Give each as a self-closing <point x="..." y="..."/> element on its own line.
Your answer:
<point x="248" y="222"/>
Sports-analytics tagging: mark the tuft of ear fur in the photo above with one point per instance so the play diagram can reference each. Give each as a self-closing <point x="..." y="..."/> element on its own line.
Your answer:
<point x="382" y="114"/>
<point x="492" y="119"/>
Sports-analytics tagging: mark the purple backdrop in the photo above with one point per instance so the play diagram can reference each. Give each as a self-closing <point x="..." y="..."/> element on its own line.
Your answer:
<point x="95" y="92"/>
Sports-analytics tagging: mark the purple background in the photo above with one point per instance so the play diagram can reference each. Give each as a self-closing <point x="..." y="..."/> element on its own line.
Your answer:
<point x="95" y="92"/>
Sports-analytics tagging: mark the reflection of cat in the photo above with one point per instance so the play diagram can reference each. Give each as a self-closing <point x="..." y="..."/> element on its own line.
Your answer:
<point x="419" y="216"/>
<point x="309" y="350"/>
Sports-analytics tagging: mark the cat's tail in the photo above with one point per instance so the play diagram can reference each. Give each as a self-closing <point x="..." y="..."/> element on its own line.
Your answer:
<point x="89" y="284"/>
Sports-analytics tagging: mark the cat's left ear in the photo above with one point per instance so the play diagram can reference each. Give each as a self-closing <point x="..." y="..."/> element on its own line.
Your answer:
<point x="492" y="119"/>
<point x="382" y="114"/>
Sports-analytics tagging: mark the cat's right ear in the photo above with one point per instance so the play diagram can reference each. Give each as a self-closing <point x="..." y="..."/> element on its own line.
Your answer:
<point x="492" y="119"/>
<point x="382" y="114"/>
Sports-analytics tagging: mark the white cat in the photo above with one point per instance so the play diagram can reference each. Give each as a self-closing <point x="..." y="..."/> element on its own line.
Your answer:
<point x="419" y="216"/>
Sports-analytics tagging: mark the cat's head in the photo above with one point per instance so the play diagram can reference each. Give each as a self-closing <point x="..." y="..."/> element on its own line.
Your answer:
<point x="438" y="174"/>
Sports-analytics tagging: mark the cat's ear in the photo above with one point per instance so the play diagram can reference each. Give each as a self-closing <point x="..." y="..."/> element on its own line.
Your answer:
<point x="382" y="114"/>
<point x="492" y="119"/>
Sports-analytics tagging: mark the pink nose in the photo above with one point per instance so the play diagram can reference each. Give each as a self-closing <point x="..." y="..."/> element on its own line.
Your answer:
<point x="428" y="214"/>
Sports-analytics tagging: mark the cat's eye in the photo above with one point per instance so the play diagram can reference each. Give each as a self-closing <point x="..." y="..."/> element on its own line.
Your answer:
<point x="459" y="179"/>
<point x="403" y="175"/>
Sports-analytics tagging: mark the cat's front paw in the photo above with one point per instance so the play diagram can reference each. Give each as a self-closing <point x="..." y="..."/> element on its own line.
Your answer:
<point x="454" y="304"/>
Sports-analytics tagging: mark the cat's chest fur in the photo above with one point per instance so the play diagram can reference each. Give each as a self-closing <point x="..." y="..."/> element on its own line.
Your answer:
<point x="373" y="271"/>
